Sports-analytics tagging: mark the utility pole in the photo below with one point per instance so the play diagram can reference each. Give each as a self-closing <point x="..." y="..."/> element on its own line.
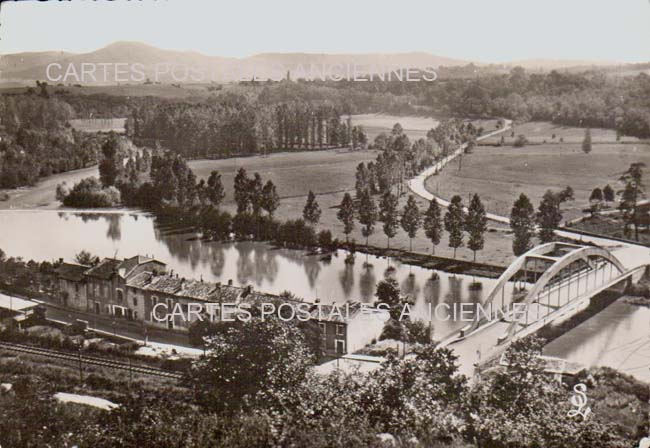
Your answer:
<point x="130" y="373"/>
<point x="81" y="372"/>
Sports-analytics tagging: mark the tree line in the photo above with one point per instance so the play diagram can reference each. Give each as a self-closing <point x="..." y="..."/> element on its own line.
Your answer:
<point x="237" y="125"/>
<point x="36" y="140"/>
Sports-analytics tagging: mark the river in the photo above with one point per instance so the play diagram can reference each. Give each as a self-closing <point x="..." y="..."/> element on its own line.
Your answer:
<point x="49" y="235"/>
<point x="617" y="337"/>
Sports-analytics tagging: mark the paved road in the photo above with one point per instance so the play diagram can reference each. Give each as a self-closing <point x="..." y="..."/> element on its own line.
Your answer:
<point x="630" y="254"/>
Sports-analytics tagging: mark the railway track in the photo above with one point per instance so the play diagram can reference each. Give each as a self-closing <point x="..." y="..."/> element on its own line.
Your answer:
<point x="90" y="360"/>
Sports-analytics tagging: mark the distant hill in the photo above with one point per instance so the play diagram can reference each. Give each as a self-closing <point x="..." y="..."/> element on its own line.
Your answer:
<point x="29" y="67"/>
<point x="134" y="62"/>
<point x="554" y="64"/>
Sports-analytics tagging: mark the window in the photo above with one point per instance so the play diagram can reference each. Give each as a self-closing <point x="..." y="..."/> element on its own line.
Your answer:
<point x="340" y="330"/>
<point x="120" y="296"/>
<point x="135" y="300"/>
<point x="323" y="330"/>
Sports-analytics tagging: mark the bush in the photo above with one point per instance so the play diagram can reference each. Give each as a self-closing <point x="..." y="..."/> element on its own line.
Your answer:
<point x="296" y="232"/>
<point x="393" y="329"/>
<point x="520" y="141"/>
<point x="214" y="223"/>
<point x="88" y="193"/>
<point x="325" y="238"/>
<point x="417" y="332"/>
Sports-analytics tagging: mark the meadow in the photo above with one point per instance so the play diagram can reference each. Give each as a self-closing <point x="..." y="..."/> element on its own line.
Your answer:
<point x="500" y="174"/>
<point x="542" y="132"/>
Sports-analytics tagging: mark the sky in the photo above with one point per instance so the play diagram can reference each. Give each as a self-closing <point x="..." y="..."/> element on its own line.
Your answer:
<point x="477" y="30"/>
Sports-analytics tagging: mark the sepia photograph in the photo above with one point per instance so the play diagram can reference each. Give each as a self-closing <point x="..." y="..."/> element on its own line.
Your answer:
<point x="341" y="224"/>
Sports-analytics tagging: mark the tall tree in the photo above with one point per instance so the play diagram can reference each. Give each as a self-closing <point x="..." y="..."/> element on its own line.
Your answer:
<point x="548" y="216"/>
<point x="255" y="193"/>
<point x="362" y="180"/>
<point x="388" y="293"/>
<point x="111" y="164"/>
<point x="634" y="188"/>
<point x="86" y="258"/>
<point x="270" y="198"/>
<point x="215" y="191"/>
<point x="454" y="220"/>
<point x="433" y="224"/>
<point x="608" y="193"/>
<point x="242" y="194"/>
<point x="586" y="142"/>
<point x="476" y="225"/>
<point x="388" y="215"/>
<point x="245" y="359"/>
<point x="411" y="219"/>
<point x="311" y="213"/>
<point x="346" y="215"/>
<point x="522" y="223"/>
<point x="367" y="214"/>
<point x="596" y="195"/>
<point x="595" y="199"/>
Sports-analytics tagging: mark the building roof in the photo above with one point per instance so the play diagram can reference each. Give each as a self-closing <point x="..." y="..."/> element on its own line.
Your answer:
<point x="226" y="294"/>
<point x="105" y="269"/>
<point x="73" y="272"/>
<point x="350" y="363"/>
<point x="129" y="264"/>
<point x="15" y="303"/>
<point x="181" y="287"/>
<point x="140" y="280"/>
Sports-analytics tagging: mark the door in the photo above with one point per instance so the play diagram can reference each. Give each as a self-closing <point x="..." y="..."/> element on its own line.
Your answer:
<point x="340" y="347"/>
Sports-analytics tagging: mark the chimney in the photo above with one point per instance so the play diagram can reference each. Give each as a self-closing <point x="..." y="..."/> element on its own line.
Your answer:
<point x="201" y="278"/>
<point x="230" y="282"/>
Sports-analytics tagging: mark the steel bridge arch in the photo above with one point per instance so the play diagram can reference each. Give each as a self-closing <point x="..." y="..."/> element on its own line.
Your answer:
<point x="575" y="253"/>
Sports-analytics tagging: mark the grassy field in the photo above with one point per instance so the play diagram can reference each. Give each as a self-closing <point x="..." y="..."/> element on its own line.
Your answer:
<point x="294" y="174"/>
<point x="375" y="124"/>
<point x="542" y="132"/>
<point x="500" y="174"/>
<point x="330" y="174"/>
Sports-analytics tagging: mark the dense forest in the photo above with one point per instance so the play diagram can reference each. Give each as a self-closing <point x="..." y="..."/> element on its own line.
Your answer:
<point x="254" y="117"/>
<point x="37" y="141"/>
<point x="588" y="99"/>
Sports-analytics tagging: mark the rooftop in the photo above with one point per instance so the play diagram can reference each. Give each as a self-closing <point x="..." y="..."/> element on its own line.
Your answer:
<point x="73" y="272"/>
<point x="129" y="264"/>
<point x="105" y="269"/>
<point x="15" y="303"/>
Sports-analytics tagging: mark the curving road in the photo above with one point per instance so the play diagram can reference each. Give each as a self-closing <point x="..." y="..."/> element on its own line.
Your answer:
<point x="630" y="254"/>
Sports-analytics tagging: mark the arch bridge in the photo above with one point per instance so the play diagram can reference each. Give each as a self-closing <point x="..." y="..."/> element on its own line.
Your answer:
<point x="540" y="286"/>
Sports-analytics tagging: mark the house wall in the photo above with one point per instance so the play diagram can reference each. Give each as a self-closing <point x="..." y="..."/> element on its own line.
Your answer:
<point x="179" y="323"/>
<point x="330" y="333"/>
<point x="73" y="294"/>
<point x="363" y="328"/>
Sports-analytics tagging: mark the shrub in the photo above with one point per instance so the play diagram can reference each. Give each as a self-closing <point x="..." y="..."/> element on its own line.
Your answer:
<point x="296" y="232"/>
<point x="393" y="329"/>
<point x="89" y="193"/>
<point x="520" y="141"/>
<point x="417" y="332"/>
<point x="325" y="238"/>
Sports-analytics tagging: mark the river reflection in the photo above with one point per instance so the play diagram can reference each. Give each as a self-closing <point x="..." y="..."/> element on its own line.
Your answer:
<point x="47" y="235"/>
